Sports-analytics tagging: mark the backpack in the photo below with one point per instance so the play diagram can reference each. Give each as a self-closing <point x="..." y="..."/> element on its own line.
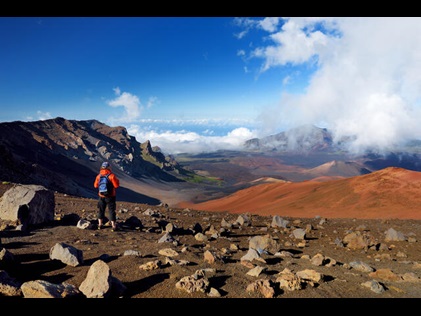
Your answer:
<point x="105" y="186"/>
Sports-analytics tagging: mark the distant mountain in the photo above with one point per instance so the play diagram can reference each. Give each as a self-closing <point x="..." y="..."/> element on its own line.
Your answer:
<point x="338" y="168"/>
<point x="306" y="138"/>
<point x="390" y="192"/>
<point x="65" y="155"/>
<point x="316" y="144"/>
<point x="312" y="139"/>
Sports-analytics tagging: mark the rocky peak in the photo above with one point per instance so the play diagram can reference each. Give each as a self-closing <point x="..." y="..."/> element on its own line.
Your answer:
<point x="157" y="157"/>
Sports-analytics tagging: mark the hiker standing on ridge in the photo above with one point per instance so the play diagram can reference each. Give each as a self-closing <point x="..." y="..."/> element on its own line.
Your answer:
<point x="111" y="183"/>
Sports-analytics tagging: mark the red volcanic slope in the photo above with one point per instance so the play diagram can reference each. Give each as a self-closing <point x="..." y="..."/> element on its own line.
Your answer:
<point x="387" y="193"/>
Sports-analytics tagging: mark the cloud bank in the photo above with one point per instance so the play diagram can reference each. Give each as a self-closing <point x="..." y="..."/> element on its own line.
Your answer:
<point x="176" y="140"/>
<point x="367" y="78"/>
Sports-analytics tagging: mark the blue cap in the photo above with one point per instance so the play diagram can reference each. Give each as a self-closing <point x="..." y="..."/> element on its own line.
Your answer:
<point x="105" y="165"/>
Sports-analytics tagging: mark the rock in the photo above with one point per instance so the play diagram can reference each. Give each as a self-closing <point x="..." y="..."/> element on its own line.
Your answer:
<point x="27" y="205"/>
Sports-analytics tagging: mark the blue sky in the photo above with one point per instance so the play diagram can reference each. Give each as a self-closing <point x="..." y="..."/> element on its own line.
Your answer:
<point x="191" y="84"/>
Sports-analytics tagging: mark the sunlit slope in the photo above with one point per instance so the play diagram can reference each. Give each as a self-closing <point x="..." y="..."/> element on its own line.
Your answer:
<point x="388" y="193"/>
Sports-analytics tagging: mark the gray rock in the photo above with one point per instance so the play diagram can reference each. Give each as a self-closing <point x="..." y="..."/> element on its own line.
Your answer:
<point x="264" y="244"/>
<point x="393" y="235"/>
<point x="299" y="233"/>
<point x="84" y="224"/>
<point x="28" y="205"/>
<point x="361" y="266"/>
<point x="45" y="289"/>
<point x="66" y="254"/>
<point x="374" y="286"/>
<point x="99" y="282"/>
<point x="278" y="221"/>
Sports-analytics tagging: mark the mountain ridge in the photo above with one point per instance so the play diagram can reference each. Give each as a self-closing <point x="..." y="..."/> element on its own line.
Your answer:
<point x="65" y="155"/>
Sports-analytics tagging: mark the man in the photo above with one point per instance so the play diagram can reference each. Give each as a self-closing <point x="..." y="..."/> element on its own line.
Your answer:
<point x="109" y="199"/>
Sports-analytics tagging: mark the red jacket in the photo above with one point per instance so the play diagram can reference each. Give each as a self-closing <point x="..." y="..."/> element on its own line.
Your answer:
<point x="112" y="177"/>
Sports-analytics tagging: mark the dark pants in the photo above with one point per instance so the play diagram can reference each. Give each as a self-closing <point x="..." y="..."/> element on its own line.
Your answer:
<point x="102" y="205"/>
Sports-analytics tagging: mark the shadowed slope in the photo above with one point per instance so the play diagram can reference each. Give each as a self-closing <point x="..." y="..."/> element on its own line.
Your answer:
<point x="389" y="193"/>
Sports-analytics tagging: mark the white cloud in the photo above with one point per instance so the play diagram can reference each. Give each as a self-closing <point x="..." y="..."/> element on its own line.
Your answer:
<point x="130" y="102"/>
<point x="367" y="79"/>
<point x="132" y="105"/>
<point x="246" y="24"/>
<point x="182" y="141"/>
<point x="117" y="91"/>
<point x="286" y="80"/>
<point x="293" y="44"/>
<point x="241" y="52"/>
<point x="224" y="122"/>
<point x="240" y="35"/>
<point x="152" y="101"/>
<point x="269" y="24"/>
<point x="42" y="116"/>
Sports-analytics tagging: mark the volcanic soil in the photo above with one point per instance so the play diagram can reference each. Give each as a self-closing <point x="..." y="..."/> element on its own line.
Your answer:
<point x="230" y="277"/>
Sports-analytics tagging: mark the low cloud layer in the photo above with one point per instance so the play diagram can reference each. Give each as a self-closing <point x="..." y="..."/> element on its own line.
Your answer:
<point x="178" y="141"/>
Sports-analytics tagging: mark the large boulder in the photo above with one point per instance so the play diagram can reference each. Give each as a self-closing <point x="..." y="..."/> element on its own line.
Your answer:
<point x="27" y="205"/>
